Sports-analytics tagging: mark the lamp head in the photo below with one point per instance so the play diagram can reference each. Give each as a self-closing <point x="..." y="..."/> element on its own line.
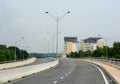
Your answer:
<point x="68" y="12"/>
<point x="22" y="37"/>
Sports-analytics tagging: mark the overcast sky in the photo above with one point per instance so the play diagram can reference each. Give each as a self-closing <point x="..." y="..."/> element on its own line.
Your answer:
<point x="27" y="18"/>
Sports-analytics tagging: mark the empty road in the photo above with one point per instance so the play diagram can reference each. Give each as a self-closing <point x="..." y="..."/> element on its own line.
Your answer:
<point x="68" y="72"/>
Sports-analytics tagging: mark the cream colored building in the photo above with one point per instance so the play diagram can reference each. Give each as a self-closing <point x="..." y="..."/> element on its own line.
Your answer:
<point x="100" y="44"/>
<point x="71" y="44"/>
<point x="68" y="47"/>
<point x="81" y="45"/>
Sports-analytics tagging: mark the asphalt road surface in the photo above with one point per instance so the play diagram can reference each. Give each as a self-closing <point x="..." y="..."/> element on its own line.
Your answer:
<point x="68" y="72"/>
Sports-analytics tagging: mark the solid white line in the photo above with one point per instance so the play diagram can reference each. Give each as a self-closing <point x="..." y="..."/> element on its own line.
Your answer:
<point x="104" y="77"/>
<point x="55" y="82"/>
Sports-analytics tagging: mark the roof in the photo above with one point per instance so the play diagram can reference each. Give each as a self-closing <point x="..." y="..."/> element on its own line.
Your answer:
<point x="92" y="39"/>
<point x="70" y="39"/>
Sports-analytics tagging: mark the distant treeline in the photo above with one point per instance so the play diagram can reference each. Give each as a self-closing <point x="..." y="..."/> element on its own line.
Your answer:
<point x="42" y="55"/>
<point x="105" y="52"/>
<point x="12" y="53"/>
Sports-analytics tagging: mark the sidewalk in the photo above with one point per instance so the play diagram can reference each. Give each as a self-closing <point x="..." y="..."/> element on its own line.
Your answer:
<point x="113" y="71"/>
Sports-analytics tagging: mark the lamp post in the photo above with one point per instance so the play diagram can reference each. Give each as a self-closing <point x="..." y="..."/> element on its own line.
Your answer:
<point x="47" y="47"/>
<point x="53" y="35"/>
<point x="106" y="49"/>
<point x="52" y="40"/>
<point x="57" y="22"/>
<point x="28" y="47"/>
<point x="15" y="56"/>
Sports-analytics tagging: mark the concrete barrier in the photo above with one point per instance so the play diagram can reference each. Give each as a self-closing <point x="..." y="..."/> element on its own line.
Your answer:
<point x="12" y="74"/>
<point x="17" y="64"/>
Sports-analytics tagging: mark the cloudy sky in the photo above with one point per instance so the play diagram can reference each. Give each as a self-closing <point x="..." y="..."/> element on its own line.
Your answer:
<point x="27" y="18"/>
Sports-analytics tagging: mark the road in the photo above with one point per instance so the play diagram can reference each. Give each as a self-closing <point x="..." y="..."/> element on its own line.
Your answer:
<point x="68" y="72"/>
<point x="42" y="60"/>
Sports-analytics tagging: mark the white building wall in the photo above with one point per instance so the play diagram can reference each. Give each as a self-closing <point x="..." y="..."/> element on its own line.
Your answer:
<point x="90" y="46"/>
<point x="94" y="46"/>
<point x="74" y="47"/>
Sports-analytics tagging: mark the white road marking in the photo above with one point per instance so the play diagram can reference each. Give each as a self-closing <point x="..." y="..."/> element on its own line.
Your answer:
<point x="55" y="82"/>
<point x="66" y="74"/>
<point x="62" y="77"/>
<point x="104" y="77"/>
<point x="74" y="65"/>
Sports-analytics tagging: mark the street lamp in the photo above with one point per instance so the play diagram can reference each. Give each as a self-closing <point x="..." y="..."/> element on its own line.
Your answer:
<point x="106" y="49"/>
<point x="53" y="35"/>
<point x="52" y="40"/>
<point x="28" y="47"/>
<point x="16" y="46"/>
<point x="57" y="22"/>
<point x="47" y="45"/>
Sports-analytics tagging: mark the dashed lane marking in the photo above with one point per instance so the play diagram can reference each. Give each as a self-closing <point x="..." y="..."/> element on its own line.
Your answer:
<point x="61" y="77"/>
<point x="55" y="82"/>
<point x="66" y="74"/>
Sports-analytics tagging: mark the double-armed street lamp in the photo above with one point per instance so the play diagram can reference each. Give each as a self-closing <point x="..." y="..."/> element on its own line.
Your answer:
<point x="57" y="22"/>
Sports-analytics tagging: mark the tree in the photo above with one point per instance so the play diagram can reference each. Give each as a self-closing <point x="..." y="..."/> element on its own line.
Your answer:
<point x="16" y="51"/>
<point x="5" y="54"/>
<point x="24" y="54"/>
<point x="99" y="52"/>
<point x="3" y="47"/>
<point x="116" y="47"/>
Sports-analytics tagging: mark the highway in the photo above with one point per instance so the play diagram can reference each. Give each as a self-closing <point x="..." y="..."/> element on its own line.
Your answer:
<point x="68" y="72"/>
<point x="41" y="60"/>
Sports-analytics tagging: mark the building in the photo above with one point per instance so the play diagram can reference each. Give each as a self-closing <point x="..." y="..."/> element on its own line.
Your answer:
<point x="81" y="45"/>
<point x="90" y="44"/>
<point x="100" y="44"/>
<point x="71" y="44"/>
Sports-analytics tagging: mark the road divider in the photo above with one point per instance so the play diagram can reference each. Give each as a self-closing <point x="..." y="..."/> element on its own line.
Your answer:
<point x="17" y="73"/>
<point x="17" y="64"/>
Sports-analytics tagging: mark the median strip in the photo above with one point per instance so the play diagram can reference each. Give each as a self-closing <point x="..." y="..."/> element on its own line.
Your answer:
<point x="12" y="74"/>
<point x="17" y="64"/>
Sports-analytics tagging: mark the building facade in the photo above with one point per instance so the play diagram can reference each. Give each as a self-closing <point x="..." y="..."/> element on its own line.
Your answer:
<point x="71" y="44"/>
<point x="89" y="44"/>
